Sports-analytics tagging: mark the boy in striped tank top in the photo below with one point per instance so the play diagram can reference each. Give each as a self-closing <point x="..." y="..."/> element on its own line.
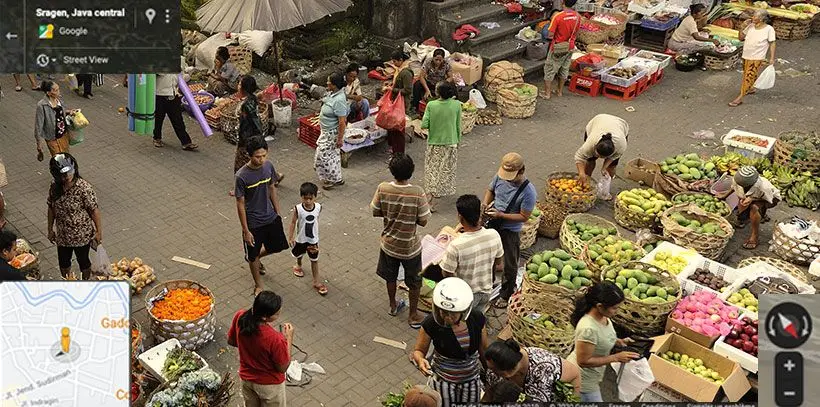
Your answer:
<point x="305" y="223"/>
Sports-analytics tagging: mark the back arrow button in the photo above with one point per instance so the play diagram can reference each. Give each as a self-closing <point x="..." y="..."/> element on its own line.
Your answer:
<point x="10" y="36"/>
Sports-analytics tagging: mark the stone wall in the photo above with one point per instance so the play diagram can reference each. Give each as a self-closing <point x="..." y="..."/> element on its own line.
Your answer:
<point x="395" y="19"/>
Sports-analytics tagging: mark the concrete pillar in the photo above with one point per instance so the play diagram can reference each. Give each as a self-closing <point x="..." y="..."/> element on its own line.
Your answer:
<point x="395" y="19"/>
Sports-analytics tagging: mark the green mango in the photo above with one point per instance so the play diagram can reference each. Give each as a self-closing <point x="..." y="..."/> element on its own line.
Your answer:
<point x="683" y="168"/>
<point x="632" y="283"/>
<point x="532" y="267"/>
<point x="593" y="254"/>
<point x="709" y="166"/>
<point x="586" y="273"/>
<point x="695" y="173"/>
<point x="567" y="284"/>
<point x="636" y="208"/>
<point x="651" y="291"/>
<point x="661" y="292"/>
<point x="557" y="263"/>
<point x="543" y="270"/>
<point x="537" y="259"/>
<point x="566" y="272"/>
<point x="549" y="279"/>
<point x="554" y="271"/>
<point x="685" y="176"/>
<point x="692" y="156"/>
<point x="621" y="280"/>
<point x="587" y="236"/>
<point x="692" y="163"/>
<point x="562" y="255"/>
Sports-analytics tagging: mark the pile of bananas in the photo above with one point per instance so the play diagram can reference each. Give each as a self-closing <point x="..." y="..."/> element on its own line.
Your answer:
<point x="797" y="188"/>
<point x="732" y="161"/>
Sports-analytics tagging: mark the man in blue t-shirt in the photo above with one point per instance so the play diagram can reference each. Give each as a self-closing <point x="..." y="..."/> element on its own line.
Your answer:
<point x="510" y="198"/>
<point x="258" y="209"/>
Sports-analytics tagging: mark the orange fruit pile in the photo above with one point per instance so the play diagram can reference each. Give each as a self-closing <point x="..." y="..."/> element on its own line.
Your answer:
<point x="568" y="185"/>
<point x="182" y="304"/>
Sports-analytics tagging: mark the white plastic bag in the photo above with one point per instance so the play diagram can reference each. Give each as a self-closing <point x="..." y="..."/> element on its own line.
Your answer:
<point x="634" y="379"/>
<point x="766" y="78"/>
<point x="604" y="185"/>
<point x="100" y="262"/>
<point x="814" y="268"/>
<point x="477" y="99"/>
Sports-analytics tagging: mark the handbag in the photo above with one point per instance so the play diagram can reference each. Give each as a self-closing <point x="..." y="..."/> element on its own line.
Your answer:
<point x="496" y="223"/>
<point x="537" y="50"/>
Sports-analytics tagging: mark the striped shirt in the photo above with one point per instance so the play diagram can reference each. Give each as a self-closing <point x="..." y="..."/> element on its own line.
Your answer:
<point x="403" y="207"/>
<point x="471" y="257"/>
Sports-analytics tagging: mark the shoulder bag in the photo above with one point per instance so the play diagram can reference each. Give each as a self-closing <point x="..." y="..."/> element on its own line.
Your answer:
<point x="562" y="48"/>
<point x="496" y="223"/>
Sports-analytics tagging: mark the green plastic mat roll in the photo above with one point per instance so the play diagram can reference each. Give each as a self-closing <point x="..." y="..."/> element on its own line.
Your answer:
<point x="150" y="101"/>
<point x="139" y="105"/>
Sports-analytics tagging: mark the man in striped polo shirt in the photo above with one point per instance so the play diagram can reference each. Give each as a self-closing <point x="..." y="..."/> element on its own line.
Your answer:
<point x="403" y="207"/>
<point x="474" y="255"/>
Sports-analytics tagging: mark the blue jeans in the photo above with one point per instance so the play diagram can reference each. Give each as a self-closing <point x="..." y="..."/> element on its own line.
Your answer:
<point x="591" y="397"/>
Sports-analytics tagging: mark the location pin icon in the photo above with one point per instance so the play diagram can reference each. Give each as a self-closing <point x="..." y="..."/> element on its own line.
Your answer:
<point x="150" y="14"/>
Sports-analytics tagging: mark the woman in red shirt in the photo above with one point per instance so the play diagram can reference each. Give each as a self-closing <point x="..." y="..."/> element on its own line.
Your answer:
<point x="264" y="352"/>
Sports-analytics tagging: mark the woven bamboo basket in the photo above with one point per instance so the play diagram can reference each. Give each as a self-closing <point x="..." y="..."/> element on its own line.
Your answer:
<point x="468" y="121"/>
<point x="32" y="270"/>
<point x="575" y="202"/>
<point x="499" y="74"/>
<point x="786" y="29"/>
<point x="560" y="301"/>
<point x="723" y="204"/>
<point x="781" y="265"/>
<point x="529" y="333"/>
<point x="529" y="232"/>
<point x="229" y="121"/>
<point x="596" y="268"/>
<point x="552" y="217"/>
<point x="709" y="246"/>
<point x="815" y="24"/>
<point x="592" y="37"/>
<point x="633" y="220"/>
<point x="570" y="241"/>
<point x="784" y="155"/>
<point x="514" y="105"/>
<point x="191" y="334"/>
<point x="721" y="62"/>
<point x="793" y="250"/>
<point x="137" y="345"/>
<point x="242" y="57"/>
<point x="639" y="317"/>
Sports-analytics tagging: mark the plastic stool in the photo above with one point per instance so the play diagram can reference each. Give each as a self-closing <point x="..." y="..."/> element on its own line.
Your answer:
<point x="584" y="85"/>
<point x="619" y="92"/>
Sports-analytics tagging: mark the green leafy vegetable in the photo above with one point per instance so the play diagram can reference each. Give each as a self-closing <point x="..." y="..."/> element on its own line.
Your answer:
<point x="180" y="361"/>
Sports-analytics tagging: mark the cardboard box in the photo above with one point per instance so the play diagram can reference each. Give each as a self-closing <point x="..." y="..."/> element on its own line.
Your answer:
<point x="735" y="383"/>
<point x="678" y="328"/>
<point x="641" y="171"/>
<point x="471" y="73"/>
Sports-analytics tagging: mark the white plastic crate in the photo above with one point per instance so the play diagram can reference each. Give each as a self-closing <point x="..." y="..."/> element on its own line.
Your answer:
<point x="645" y="10"/>
<point x="618" y="81"/>
<point x="153" y="359"/>
<point x="748" y="150"/>
<point x="728" y="274"/>
<point x="649" y="65"/>
<point x="662" y="59"/>
<point x="746" y="361"/>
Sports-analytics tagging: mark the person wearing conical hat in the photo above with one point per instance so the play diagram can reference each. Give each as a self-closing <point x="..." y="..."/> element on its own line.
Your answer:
<point x="757" y="195"/>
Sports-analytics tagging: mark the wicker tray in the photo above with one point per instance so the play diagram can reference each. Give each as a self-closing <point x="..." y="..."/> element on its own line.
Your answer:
<point x="516" y="106"/>
<point x="639" y="317"/>
<point x="793" y="250"/>
<point x="786" y="29"/>
<point x="528" y="333"/>
<point x="191" y="334"/>
<point x="632" y="220"/>
<point x="570" y="241"/>
<point x="529" y="232"/>
<point x="709" y="246"/>
<point x="552" y="217"/>
<point x="468" y="121"/>
<point x="242" y="57"/>
<point x="779" y="264"/>
<point x="574" y="202"/>
<point x="595" y="268"/>
<point x="592" y="37"/>
<point x="784" y="156"/>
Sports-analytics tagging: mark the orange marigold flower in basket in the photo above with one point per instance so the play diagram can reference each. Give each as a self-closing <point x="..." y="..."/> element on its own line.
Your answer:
<point x="182" y="304"/>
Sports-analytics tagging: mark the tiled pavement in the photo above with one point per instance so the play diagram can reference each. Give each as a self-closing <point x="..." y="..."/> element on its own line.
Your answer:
<point x="160" y="203"/>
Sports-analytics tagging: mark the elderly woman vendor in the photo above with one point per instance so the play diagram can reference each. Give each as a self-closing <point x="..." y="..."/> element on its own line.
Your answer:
<point x="687" y="38"/>
<point x="758" y="39"/>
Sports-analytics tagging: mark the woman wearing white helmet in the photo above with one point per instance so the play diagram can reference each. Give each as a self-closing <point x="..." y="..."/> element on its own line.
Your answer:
<point x="459" y="337"/>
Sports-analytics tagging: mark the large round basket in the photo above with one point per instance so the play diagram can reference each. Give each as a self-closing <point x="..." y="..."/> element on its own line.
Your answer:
<point x="596" y="268"/>
<point x="516" y="105"/>
<point x="639" y="317"/>
<point x="815" y="24"/>
<point x="529" y="232"/>
<point x="787" y="29"/>
<point x="570" y="241"/>
<point x="527" y="332"/>
<point x="32" y="270"/>
<point x="191" y="334"/>
<point x="632" y="220"/>
<point x="804" y="160"/>
<point x="137" y="345"/>
<point x="793" y="250"/>
<point x="543" y="296"/>
<point x="229" y="122"/>
<point x="552" y="217"/>
<point x="680" y="195"/>
<point x="709" y="246"/>
<point x="592" y="37"/>
<point x="242" y="58"/>
<point x="498" y="74"/>
<point x="468" y="119"/>
<point x="781" y="265"/>
<point x="721" y="62"/>
<point x="575" y="202"/>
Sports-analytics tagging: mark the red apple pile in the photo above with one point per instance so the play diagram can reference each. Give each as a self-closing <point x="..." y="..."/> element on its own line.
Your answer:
<point x="744" y="335"/>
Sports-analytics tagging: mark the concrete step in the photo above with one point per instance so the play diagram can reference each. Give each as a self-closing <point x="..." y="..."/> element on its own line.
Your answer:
<point x="499" y="50"/>
<point x="510" y="26"/>
<point x="530" y="67"/>
<point x="473" y="13"/>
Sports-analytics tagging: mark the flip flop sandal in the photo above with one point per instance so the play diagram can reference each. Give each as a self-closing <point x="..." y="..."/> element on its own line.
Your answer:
<point x="18" y="88"/>
<point x="733" y="104"/>
<point x="190" y="147"/>
<point x="321" y="289"/>
<point x="297" y="271"/>
<point x="158" y="143"/>
<point x="749" y="245"/>
<point x="262" y="270"/>
<point x="403" y="286"/>
<point x="328" y="186"/>
<point x="500" y="303"/>
<point x="340" y="183"/>
<point x="399" y="307"/>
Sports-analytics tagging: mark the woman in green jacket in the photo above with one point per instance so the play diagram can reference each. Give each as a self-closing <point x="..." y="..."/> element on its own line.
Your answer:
<point x="443" y="120"/>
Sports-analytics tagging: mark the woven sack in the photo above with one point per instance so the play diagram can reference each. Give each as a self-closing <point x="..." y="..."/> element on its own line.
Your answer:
<point x="191" y="334"/>
<point x="595" y="267"/>
<point x="781" y="265"/>
<point x="529" y="232"/>
<point x="468" y="120"/>
<point x="501" y="73"/>
<point x="552" y="217"/>
<point x="639" y="317"/>
<point x="709" y="246"/>
<point x="514" y="105"/>
<point x="528" y="333"/>
<point x="789" y="155"/>
<point x="570" y="241"/>
<point x="537" y="50"/>
<point x="632" y="220"/>
<point x="575" y="202"/>
<point x="793" y="250"/>
<point x="670" y="185"/>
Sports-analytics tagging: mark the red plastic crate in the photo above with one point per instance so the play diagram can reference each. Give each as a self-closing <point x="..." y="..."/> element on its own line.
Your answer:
<point x="642" y="85"/>
<point x="308" y="133"/>
<point x="619" y="92"/>
<point x="584" y="85"/>
<point x="656" y="77"/>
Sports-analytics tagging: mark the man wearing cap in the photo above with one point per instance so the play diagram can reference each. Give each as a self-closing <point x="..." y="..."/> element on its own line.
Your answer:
<point x="757" y="195"/>
<point x="510" y="199"/>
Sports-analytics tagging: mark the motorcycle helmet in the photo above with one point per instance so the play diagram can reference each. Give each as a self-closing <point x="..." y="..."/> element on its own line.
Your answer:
<point x="452" y="295"/>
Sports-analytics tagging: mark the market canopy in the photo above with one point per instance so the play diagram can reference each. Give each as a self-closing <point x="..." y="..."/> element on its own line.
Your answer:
<point x="264" y="15"/>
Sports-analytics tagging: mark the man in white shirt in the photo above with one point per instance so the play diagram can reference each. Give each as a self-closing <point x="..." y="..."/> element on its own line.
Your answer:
<point x="475" y="254"/>
<point x="169" y="102"/>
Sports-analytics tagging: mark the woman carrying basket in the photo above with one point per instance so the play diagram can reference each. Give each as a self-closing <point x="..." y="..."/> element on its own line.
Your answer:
<point x="758" y="38"/>
<point x="595" y="337"/>
<point x="606" y="137"/>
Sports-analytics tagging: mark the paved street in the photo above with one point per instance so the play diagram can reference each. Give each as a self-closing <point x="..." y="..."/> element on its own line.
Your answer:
<point x="160" y="203"/>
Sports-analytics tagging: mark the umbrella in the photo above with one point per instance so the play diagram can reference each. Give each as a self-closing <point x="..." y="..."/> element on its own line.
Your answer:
<point x="265" y="15"/>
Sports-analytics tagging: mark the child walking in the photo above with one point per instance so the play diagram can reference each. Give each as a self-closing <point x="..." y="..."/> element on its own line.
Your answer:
<point x="305" y="222"/>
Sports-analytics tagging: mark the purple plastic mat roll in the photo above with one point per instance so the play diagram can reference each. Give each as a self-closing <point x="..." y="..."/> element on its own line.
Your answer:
<point x="186" y="91"/>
